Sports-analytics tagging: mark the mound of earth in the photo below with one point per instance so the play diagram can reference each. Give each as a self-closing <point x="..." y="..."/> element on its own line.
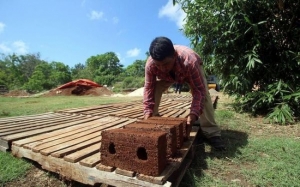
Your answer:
<point x="14" y="93"/>
<point x="80" y="90"/>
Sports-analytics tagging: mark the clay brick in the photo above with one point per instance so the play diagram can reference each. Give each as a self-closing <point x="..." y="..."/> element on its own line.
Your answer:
<point x="134" y="150"/>
<point x="183" y="120"/>
<point x="180" y="124"/>
<point x="169" y="129"/>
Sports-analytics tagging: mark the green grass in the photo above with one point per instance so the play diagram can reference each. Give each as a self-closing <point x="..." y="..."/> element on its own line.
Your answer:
<point x="11" y="168"/>
<point x="19" y="106"/>
<point x="258" y="154"/>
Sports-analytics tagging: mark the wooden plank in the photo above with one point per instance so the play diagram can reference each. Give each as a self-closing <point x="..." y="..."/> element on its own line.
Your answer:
<point x="59" y="133"/>
<point x="68" y="142"/>
<point x="170" y="113"/>
<point x="91" y="161"/>
<point x="124" y="111"/>
<point x="82" y="109"/>
<point x="56" y="137"/>
<point x="52" y="146"/>
<point x="6" y="140"/>
<point x="21" y="118"/>
<point x="83" y="153"/>
<point x="163" y="176"/>
<point x="178" y="113"/>
<point x="125" y="172"/>
<point x="77" y="172"/>
<point x="105" y="168"/>
<point x="185" y="114"/>
<point x="76" y="147"/>
<point x="43" y="124"/>
<point x="39" y="123"/>
<point x="44" y="130"/>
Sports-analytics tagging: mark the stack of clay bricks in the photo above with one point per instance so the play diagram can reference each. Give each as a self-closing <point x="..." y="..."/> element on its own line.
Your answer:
<point x="144" y="146"/>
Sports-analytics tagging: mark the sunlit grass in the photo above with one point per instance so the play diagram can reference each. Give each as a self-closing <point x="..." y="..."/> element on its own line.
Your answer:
<point x="11" y="168"/>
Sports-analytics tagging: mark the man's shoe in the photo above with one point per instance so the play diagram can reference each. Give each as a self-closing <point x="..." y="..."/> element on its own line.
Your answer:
<point x="217" y="143"/>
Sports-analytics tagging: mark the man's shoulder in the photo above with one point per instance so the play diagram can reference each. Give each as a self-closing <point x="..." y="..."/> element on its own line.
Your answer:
<point x="182" y="49"/>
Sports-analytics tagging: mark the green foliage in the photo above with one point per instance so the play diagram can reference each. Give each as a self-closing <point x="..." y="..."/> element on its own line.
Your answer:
<point x="34" y="75"/>
<point x="277" y="100"/>
<point x="246" y="43"/>
<point x="129" y="83"/>
<point x="47" y="76"/>
<point x="60" y="73"/>
<point x="104" y="68"/>
<point x="137" y="69"/>
<point x="80" y="72"/>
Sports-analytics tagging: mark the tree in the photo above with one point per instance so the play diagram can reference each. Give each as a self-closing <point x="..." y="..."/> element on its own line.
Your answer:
<point x="80" y="72"/>
<point x="39" y="80"/>
<point x="27" y="64"/>
<point x="60" y="73"/>
<point x="250" y="43"/>
<point x="136" y="69"/>
<point x="104" y="68"/>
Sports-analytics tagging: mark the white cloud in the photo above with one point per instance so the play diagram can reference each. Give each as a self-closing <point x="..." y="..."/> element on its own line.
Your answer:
<point x="4" y="48"/>
<point x="20" y="47"/>
<point x="95" y="15"/>
<point x="133" y="52"/>
<point x="115" y="20"/>
<point x="174" y="13"/>
<point x="2" y="25"/>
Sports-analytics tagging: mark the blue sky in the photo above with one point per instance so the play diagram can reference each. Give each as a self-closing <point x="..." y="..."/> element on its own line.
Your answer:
<point x="71" y="31"/>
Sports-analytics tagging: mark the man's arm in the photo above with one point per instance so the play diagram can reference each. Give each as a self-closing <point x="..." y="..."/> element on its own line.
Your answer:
<point x="196" y="82"/>
<point x="150" y="79"/>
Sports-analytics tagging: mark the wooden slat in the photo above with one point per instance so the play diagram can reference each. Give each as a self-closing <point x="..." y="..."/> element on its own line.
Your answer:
<point x="22" y="118"/>
<point x="69" y="141"/>
<point x="28" y="125"/>
<point x="61" y="135"/>
<point x="170" y="113"/>
<point x="76" y="147"/>
<point x="83" y="153"/>
<point x="52" y="146"/>
<point x="91" y="161"/>
<point x="77" y="172"/>
<point x="40" y="131"/>
<point x="58" y="133"/>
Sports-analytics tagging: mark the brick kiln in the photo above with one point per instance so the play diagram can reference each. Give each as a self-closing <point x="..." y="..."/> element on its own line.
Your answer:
<point x="143" y="146"/>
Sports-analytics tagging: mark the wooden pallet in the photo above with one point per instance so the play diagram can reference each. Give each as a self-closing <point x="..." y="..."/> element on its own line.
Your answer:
<point x="67" y="141"/>
<point x="74" y="153"/>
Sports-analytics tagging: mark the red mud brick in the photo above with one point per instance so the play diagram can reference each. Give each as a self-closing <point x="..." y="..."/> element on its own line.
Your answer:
<point x="179" y="125"/>
<point x="169" y="129"/>
<point x="134" y="150"/>
<point x="183" y="120"/>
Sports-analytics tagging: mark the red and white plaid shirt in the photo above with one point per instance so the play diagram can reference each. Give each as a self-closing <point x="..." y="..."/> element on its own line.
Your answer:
<point x="187" y="69"/>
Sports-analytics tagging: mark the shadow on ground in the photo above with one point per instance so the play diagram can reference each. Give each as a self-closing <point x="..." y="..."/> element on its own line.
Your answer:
<point x="234" y="140"/>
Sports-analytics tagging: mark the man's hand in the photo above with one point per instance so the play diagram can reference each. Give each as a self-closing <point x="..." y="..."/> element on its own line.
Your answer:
<point x="189" y="123"/>
<point x="146" y="116"/>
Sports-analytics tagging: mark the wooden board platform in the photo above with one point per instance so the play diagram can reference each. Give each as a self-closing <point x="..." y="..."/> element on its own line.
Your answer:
<point x="67" y="142"/>
<point x="76" y="158"/>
